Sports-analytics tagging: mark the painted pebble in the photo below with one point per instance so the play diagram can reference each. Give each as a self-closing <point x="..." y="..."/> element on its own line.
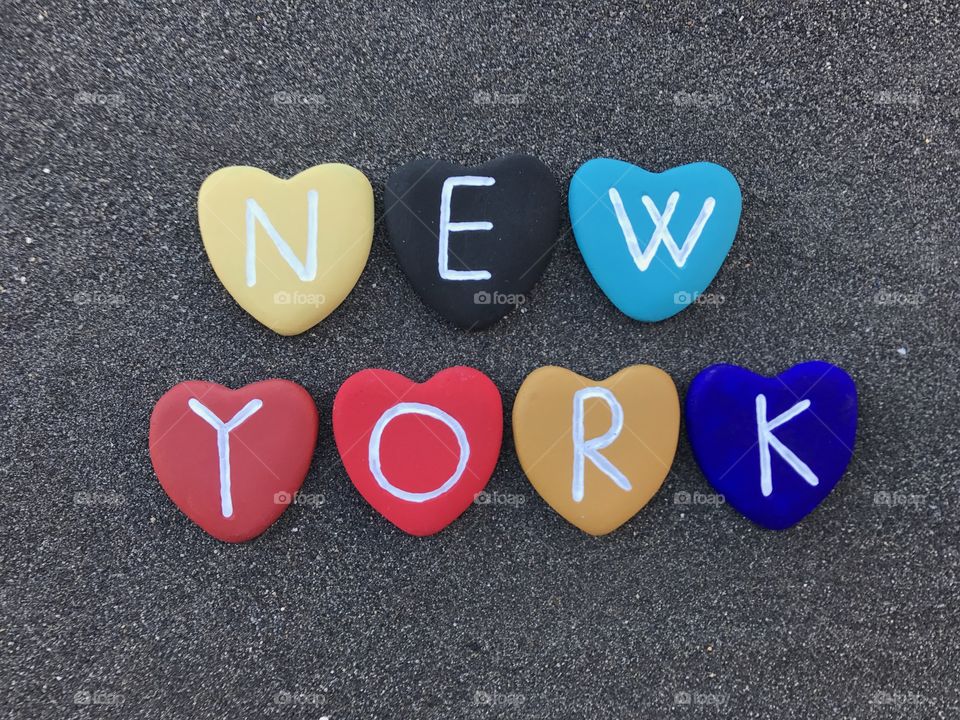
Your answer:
<point x="288" y="251"/>
<point x="419" y="453"/>
<point x="653" y="241"/>
<point x="597" y="451"/>
<point x="773" y="447"/>
<point x="473" y="240"/>
<point x="233" y="460"/>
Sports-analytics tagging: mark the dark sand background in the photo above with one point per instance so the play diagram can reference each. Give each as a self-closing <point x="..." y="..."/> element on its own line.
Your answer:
<point x="840" y="122"/>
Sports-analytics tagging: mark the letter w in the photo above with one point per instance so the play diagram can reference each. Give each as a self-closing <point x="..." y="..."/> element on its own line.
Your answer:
<point x="661" y="229"/>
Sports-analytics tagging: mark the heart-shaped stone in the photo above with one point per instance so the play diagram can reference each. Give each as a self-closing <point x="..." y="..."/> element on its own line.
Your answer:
<point x="653" y="241"/>
<point x="288" y="251"/>
<point x="597" y="451"/>
<point x="419" y="454"/>
<point x="473" y="240"/>
<point x="233" y="460"/>
<point x="773" y="447"/>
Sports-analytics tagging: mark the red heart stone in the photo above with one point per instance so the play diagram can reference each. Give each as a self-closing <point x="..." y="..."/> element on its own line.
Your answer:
<point x="233" y="460"/>
<point x="438" y="443"/>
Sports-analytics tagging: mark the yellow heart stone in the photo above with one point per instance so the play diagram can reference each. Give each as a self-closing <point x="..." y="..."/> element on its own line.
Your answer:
<point x="597" y="451"/>
<point x="288" y="251"/>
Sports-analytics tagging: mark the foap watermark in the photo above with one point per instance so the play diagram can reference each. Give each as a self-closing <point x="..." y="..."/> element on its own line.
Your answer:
<point x="698" y="99"/>
<point x="897" y="97"/>
<point x="491" y="698"/>
<point x="98" y="697"/>
<point x="113" y="99"/>
<point x="313" y="500"/>
<point x="685" y="297"/>
<point x="297" y="697"/>
<point x="899" y="699"/>
<point x="293" y="97"/>
<point x="97" y="297"/>
<point x="282" y="297"/>
<point x="698" y="498"/>
<point x="889" y="297"/>
<point x="498" y="298"/>
<point x="495" y="498"/>
<point x="700" y="699"/>
<point x="482" y="97"/>
<point x="929" y="251"/>
<point x="92" y="499"/>
<point x="898" y="499"/>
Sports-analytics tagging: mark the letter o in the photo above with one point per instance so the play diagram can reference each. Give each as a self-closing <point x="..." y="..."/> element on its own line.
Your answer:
<point x="409" y="408"/>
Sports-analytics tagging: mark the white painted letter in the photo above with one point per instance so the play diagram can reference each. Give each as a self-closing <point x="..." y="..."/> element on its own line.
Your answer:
<point x="661" y="231"/>
<point x="256" y="214"/>
<point x="583" y="449"/>
<point x="447" y="227"/>
<point x="223" y="444"/>
<point x="410" y="408"/>
<point x="767" y="439"/>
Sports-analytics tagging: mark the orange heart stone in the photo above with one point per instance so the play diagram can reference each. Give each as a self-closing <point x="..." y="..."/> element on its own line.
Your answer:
<point x="597" y="451"/>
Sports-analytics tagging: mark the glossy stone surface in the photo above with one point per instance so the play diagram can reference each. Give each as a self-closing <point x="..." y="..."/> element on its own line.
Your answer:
<point x="727" y="407"/>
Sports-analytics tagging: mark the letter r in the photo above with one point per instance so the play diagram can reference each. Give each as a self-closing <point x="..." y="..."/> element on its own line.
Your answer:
<point x="590" y="449"/>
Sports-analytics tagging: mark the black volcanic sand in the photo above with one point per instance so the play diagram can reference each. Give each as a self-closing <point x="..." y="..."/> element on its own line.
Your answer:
<point x="841" y="125"/>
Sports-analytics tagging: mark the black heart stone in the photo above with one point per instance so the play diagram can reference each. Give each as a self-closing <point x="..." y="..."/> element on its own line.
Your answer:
<point x="486" y="271"/>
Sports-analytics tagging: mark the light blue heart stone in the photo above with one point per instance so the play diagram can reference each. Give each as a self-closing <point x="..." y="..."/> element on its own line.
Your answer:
<point x="653" y="241"/>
